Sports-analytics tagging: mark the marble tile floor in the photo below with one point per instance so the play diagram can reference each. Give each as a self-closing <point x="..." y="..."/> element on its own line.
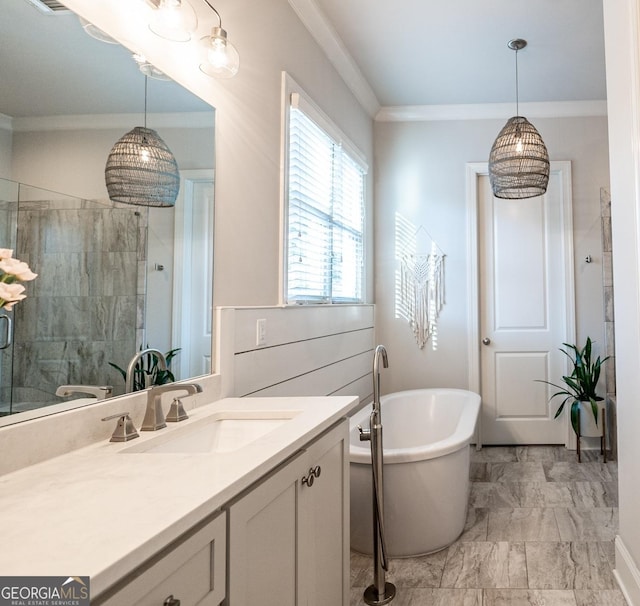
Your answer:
<point x="539" y="532"/>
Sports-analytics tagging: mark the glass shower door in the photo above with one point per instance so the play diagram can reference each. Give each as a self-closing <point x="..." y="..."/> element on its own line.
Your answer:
<point x="8" y="228"/>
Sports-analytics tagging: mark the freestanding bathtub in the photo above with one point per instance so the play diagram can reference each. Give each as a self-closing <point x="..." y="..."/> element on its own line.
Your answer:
<point x="426" y="437"/>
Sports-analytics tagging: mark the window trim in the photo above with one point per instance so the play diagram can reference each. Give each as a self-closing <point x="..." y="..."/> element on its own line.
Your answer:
<point x="294" y="96"/>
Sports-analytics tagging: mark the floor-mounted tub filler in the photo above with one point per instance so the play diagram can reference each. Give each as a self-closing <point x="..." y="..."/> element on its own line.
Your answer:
<point x="380" y="591"/>
<point x="427" y="433"/>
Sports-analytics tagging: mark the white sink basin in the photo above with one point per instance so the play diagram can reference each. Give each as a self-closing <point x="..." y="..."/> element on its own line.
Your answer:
<point x="221" y="432"/>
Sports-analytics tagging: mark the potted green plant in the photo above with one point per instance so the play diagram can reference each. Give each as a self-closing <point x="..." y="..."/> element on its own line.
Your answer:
<point x="580" y="389"/>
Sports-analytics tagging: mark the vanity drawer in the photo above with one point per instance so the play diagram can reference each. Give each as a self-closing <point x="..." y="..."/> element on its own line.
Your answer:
<point x="191" y="570"/>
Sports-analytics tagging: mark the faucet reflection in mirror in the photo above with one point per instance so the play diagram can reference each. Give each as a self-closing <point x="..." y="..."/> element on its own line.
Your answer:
<point x="147" y="368"/>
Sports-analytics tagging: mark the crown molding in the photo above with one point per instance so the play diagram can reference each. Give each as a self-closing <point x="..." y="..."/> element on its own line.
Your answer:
<point x="325" y="35"/>
<point x="489" y="111"/>
<point x="112" y="121"/>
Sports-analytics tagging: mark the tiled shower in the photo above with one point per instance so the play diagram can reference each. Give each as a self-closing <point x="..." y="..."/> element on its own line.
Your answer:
<point x="86" y="306"/>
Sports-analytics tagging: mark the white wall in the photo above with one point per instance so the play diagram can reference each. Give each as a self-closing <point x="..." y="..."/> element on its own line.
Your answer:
<point x="420" y="173"/>
<point x="622" y="43"/>
<point x="6" y="143"/>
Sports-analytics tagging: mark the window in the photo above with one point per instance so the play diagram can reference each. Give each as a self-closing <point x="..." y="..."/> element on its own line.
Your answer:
<point x="325" y="212"/>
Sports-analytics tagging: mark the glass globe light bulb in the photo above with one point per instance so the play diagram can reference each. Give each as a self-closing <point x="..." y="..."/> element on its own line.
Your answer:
<point x="217" y="54"/>
<point x="220" y="57"/>
<point x="174" y="20"/>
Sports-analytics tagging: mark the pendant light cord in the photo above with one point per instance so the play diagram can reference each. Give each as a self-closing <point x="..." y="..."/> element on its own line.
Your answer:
<point x="517" y="99"/>
<point x="145" y="101"/>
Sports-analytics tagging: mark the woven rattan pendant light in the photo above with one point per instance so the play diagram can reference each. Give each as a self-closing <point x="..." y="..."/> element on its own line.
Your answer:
<point x="519" y="161"/>
<point x="141" y="169"/>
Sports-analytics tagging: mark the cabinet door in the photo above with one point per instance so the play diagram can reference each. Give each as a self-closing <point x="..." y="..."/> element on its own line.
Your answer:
<point x="263" y="545"/>
<point x="192" y="570"/>
<point x="324" y="522"/>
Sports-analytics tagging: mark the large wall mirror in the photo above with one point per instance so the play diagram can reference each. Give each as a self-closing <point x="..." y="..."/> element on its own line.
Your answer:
<point x="112" y="278"/>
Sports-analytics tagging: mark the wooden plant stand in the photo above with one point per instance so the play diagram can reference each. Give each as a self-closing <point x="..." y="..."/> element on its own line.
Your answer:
<point x="603" y="437"/>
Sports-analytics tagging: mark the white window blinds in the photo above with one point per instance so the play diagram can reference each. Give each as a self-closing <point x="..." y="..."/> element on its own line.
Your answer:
<point x="325" y="216"/>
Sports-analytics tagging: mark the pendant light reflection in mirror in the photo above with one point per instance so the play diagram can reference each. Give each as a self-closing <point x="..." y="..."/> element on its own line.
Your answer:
<point x="141" y="169"/>
<point x="519" y="161"/>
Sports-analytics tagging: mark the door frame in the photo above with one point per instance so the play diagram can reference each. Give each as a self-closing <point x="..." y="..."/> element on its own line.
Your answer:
<point x="474" y="170"/>
<point x="182" y="276"/>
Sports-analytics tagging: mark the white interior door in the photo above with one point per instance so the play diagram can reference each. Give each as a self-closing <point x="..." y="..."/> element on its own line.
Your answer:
<point x="525" y="287"/>
<point x="193" y="280"/>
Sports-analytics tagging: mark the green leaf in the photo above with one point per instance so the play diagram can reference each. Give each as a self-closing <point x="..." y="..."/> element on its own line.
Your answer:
<point x="575" y="415"/>
<point x="122" y="372"/>
<point x="594" y="409"/>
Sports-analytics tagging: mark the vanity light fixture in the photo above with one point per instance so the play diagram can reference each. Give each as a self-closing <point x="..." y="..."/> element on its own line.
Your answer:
<point x="141" y="169"/>
<point x="173" y="20"/>
<point x="519" y="161"/>
<point x="220" y="59"/>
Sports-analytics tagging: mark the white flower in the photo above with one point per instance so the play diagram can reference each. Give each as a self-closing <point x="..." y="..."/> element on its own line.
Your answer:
<point x="12" y="271"/>
<point x="11" y="294"/>
<point x="16" y="268"/>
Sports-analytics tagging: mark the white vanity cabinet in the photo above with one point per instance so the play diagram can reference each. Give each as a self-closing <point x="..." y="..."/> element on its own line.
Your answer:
<point x="189" y="572"/>
<point x="289" y="534"/>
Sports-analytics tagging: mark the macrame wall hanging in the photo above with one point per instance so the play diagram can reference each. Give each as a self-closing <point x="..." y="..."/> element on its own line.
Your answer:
<point x="422" y="287"/>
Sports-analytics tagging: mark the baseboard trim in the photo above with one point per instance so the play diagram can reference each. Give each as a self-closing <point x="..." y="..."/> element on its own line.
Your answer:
<point x="627" y="574"/>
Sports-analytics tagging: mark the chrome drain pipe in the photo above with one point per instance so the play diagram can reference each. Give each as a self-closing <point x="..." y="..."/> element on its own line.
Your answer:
<point x="381" y="591"/>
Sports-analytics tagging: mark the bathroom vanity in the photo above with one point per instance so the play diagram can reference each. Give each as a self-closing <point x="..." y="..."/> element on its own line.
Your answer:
<point x="245" y="502"/>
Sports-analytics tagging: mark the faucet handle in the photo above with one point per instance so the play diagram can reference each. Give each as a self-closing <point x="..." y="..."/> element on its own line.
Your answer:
<point x="125" y="429"/>
<point x="176" y="412"/>
<point x="365" y="434"/>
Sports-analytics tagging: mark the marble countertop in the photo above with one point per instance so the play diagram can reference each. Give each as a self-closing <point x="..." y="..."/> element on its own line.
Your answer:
<point x="101" y="511"/>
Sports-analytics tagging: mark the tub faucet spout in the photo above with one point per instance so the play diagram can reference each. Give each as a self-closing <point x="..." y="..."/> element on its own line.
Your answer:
<point x="380" y="353"/>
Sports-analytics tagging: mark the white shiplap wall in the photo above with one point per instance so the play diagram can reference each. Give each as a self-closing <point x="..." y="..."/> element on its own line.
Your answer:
<point x="309" y="350"/>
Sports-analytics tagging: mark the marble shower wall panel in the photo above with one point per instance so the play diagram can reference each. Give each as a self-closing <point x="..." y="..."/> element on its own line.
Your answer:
<point x="82" y="311"/>
<point x="607" y="282"/>
<point x="609" y="319"/>
<point x="7" y="240"/>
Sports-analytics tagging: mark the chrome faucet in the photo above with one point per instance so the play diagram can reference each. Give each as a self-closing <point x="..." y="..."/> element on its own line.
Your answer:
<point x="380" y="352"/>
<point x="128" y="380"/>
<point x="153" y="416"/>
<point x="100" y="392"/>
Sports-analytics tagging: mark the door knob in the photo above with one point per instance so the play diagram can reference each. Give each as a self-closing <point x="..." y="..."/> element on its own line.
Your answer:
<point x="486" y="341"/>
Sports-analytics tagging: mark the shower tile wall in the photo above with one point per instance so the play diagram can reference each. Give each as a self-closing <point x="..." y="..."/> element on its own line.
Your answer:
<point x="609" y="320"/>
<point x="83" y="310"/>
